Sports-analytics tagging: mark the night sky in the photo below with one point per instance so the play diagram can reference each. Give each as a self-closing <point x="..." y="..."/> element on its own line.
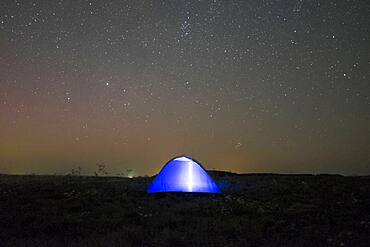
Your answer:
<point x="244" y="86"/>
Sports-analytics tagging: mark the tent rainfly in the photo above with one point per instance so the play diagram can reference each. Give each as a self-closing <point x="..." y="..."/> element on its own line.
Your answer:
<point x="183" y="174"/>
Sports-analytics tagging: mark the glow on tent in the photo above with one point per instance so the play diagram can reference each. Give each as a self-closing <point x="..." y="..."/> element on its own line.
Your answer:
<point x="183" y="174"/>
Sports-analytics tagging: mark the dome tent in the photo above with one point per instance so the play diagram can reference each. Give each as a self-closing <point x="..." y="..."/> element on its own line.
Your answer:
<point x="183" y="174"/>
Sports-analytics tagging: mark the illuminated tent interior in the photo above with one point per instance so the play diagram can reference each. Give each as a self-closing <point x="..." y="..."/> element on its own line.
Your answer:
<point x="183" y="174"/>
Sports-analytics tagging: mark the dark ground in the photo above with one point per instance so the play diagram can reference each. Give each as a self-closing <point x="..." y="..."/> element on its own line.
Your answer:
<point x="255" y="210"/>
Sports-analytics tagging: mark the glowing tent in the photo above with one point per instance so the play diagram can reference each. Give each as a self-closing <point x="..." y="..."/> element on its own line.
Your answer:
<point x="183" y="174"/>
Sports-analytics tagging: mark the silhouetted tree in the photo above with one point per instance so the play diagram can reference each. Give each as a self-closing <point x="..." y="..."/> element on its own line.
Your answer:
<point x="101" y="170"/>
<point x="76" y="172"/>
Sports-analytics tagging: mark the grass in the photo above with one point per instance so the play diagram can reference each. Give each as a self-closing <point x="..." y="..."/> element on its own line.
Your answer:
<point x="255" y="210"/>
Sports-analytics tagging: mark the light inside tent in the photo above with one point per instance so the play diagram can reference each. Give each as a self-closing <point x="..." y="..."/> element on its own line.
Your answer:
<point x="190" y="176"/>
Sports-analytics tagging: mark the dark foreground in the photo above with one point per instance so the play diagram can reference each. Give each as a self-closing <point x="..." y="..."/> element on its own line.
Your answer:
<point x="255" y="210"/>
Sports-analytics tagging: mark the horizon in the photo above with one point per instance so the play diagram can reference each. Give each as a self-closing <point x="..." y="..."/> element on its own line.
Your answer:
<point x="123" y="175"/>
<point x="121" y="171"/>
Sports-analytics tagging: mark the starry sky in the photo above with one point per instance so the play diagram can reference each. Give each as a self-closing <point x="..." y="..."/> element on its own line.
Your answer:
<point x="243" y="86"/>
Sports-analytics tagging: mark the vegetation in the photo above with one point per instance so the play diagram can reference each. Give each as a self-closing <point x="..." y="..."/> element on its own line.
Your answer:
<point x="255" y="210"/>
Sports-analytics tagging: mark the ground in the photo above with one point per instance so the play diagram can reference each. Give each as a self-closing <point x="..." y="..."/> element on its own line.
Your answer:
<point x="254" y="210"/>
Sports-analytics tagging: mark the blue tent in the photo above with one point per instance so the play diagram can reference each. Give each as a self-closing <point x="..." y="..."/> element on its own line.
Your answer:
<point x="183" y="174"/>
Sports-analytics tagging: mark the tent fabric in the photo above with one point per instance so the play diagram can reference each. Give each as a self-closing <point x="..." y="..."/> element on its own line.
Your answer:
<point x="183" y="174"/>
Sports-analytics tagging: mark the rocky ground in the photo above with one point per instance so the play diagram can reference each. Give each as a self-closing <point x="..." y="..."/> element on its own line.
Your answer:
<point x="254" y="210"/>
